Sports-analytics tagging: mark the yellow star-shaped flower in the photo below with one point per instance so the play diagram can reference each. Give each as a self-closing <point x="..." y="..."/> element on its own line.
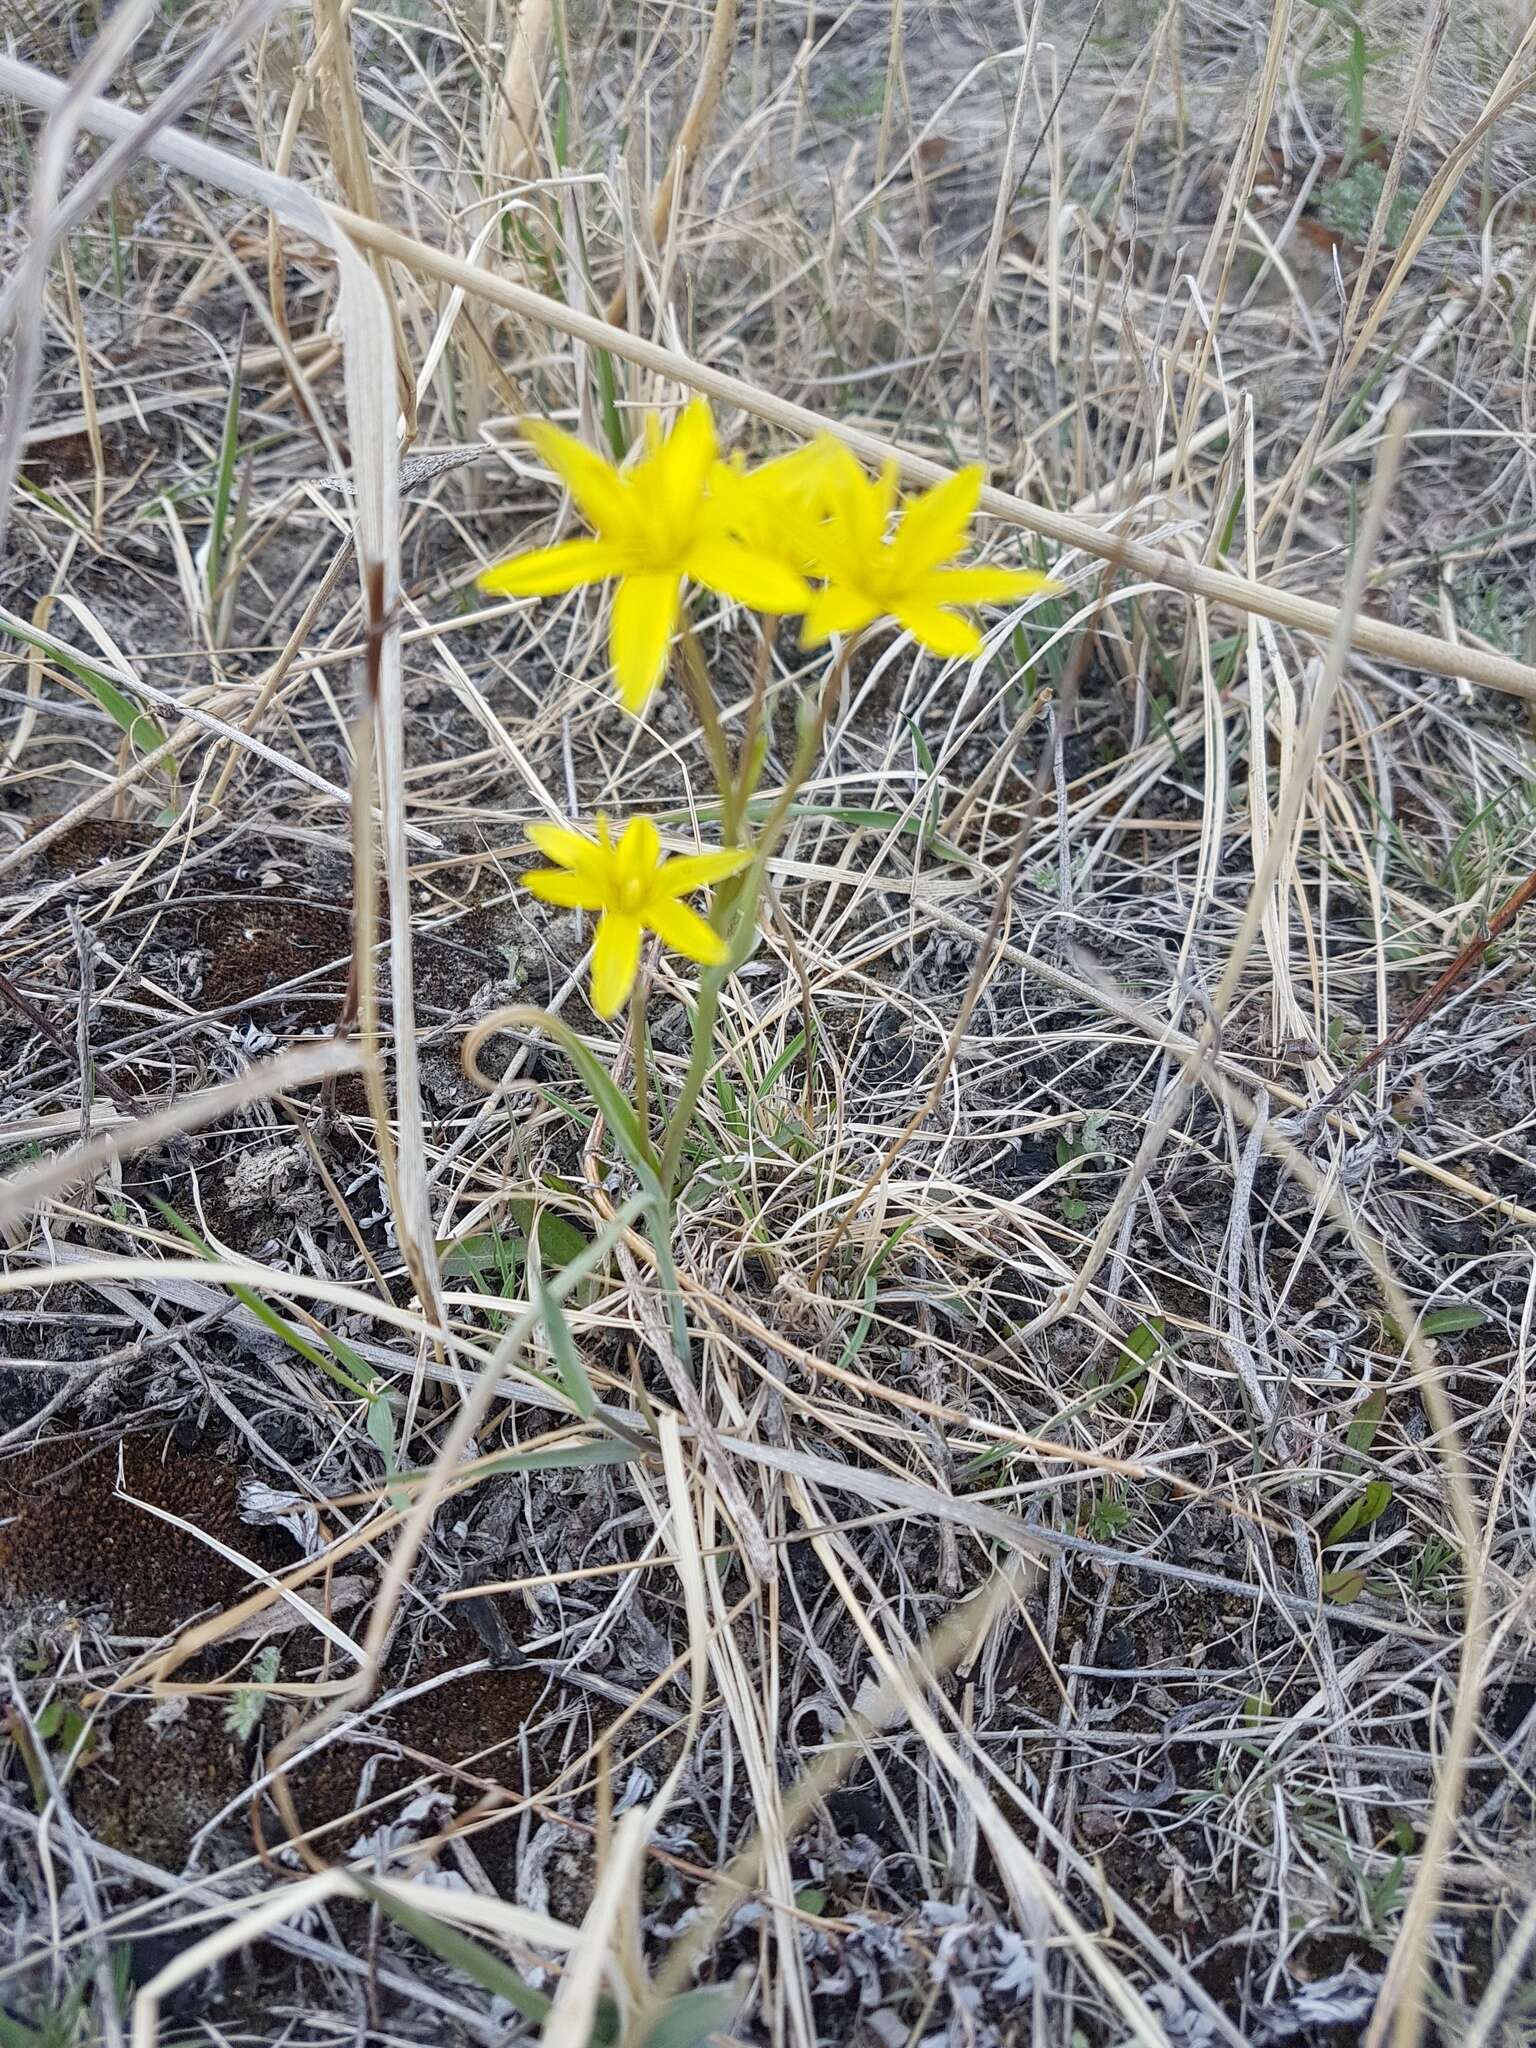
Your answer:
<point x="775" y="509"/>
<point x="654" y="524"/>
<point x="905" y="573"/>
<point x="633" y="890"/>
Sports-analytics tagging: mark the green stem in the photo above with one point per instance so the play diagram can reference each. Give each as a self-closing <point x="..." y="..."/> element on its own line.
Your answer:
<point x="705" y="1011"/>
<point x="737" y="905"/>
<point x="805" y="759"/>
<point x="640" y="1045"/>
<point x="701" y="695"/>
<point x="748" y="768"/>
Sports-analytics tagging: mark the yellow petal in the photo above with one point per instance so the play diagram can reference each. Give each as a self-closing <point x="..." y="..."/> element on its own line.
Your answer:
<point x="568" y="849"/>
<point x="934" y="526"/>
<point x="979" y="586"/>
<point x="600" y="492"/>
<point x="638" y="856"/>
<point x="542" y="572"/>
<point x="681" y="466"/>
<point x="797" y="482"/>
<point x="686" y="932"/>
<point x="571" y="892"/>
<point x="775" y="511"/>
<point x="838" y="468"/>
<point x="808" y="471"/>
<point x="748" y="575"/>
<point x="939" y="631"/>
<point x="729" y="477"/>
<point x="735" y="503"/>
<point x="690" y="871"/>
<point x="888" y="487"/>
<point x="644" y="614"/>
<point x="836" y="609"/>
<point x="615" y="962"/>
<point x="855" y="518"/>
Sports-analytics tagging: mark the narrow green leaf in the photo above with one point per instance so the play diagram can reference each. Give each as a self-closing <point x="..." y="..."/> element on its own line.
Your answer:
<point x="1230" y="527"/>
<point x="477" y="1963"/>
<point x="380" y="1421"/>
<point x="1344" y="1525"/>
<point x="690" y="2018"/>
<point x="855" y="1342"/>
<point x="920" y="746"/>
<point x="618" y="1114"/>
<point x="1447" y="1322"/>
<point x="491" y="1258"/>
<point x="573" y="1373"/>
<point x="142" y="730"/>
<point x="735" y="1115"/>
<point x="576" y="1458"/>
<point x="359" y="1389"/>
<point x="56" y="506"/>
<point x="792" y="1051"/>
<point x="1145" y="1340"/>
<point x="1377" y="1499"/>
<point x="620" y="1118"/>
<point x="1374" y="1500"/>
<point x="608" y="403"/>
<point x="1361" y="1433"/>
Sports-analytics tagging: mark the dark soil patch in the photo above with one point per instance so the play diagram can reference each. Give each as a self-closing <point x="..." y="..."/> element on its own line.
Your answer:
<point x="164" y="1778"/>
<point x="71" y="1538"/>
<point x="161" y="1779"/>
<point x="463" y="1735"/>
<point x="75" y="1553"/>
<point x="256" y="946"/>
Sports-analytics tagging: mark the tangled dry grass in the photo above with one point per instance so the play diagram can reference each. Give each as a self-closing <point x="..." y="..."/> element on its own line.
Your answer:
<point x="1079" y="1587"/>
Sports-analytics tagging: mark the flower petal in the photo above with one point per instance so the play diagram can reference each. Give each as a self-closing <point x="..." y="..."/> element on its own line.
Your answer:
<point x="878" y="505"/>
<point x="689" y="871"/>
<point x="644" y="614"/>
<point x="568" y="849"/>
<point x="982" y="585"/>
<point x="559" y="885"/>
<point x="807" y="470"/>
<point x="686" y="932"/>
<point x="745" y="574"/>
<point x="681" y="466"/>
<point x="739" y="505"/>
<point x="837" y="609"/>
<point x="777" y="518"/>
<point x="856" y="511"/>
<point x="602" y="495"/>
<point x="941" y="632"/>
<point x="638" y="856"/>
<point x="934" y="526"/>
<point x="615" y="962"/>
<point x="840" y="469"/>
<point x="543" y="572"/>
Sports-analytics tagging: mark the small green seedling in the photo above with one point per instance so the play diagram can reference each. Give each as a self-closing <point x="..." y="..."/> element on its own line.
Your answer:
<point x="242" y="1716"/>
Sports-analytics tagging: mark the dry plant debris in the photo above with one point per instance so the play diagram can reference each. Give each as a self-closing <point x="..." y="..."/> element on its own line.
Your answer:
<point x="1042" y="1546"/>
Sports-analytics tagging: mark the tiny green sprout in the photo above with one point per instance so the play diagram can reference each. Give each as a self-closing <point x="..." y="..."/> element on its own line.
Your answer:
<point x="242" y="1716"/>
